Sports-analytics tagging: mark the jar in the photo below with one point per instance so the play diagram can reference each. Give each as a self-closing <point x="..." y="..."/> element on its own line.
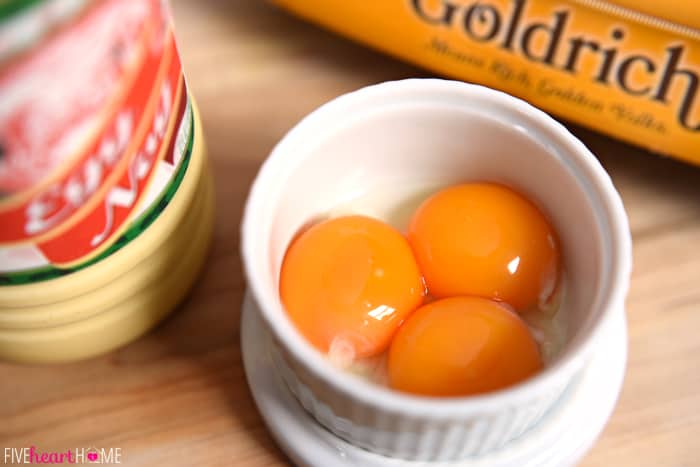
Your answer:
<point x="106" y="200"/>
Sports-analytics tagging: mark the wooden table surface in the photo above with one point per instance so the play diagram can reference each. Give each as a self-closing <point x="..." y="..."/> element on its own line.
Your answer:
<point x="178" y="396"/>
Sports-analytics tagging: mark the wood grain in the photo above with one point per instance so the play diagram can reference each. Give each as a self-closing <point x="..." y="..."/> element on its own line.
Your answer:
<point x="178" y="396"/>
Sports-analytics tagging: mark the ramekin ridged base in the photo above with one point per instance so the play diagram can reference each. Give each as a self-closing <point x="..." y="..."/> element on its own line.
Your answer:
<point x="559" y="439"/>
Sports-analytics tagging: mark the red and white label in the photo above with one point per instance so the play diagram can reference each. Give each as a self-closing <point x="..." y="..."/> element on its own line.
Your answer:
<point x="84" y="116"/>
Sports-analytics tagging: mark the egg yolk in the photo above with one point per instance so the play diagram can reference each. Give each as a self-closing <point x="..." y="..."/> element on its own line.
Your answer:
<point x="485" y="239"/>
<point x="348" y="283"/>
<point x="461" y="346"/>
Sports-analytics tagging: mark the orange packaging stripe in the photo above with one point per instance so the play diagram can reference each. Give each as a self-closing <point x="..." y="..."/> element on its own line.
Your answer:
<point x="624" y="73"/>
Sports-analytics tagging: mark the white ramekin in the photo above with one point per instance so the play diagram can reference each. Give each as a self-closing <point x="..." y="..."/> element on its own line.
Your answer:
<point x="435" y="131"/>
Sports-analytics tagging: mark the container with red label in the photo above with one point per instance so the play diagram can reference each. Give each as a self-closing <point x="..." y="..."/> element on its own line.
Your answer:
<point x="105" y="199"/>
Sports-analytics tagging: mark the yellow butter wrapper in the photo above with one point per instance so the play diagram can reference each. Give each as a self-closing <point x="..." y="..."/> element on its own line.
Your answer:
<point x="634" y="75"/>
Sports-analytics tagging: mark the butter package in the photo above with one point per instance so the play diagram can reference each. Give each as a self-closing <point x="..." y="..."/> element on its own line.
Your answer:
<point x="632" y="74"/>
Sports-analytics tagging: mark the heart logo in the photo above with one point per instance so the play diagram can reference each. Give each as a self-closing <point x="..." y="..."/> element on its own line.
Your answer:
<point x="92" y="456"/>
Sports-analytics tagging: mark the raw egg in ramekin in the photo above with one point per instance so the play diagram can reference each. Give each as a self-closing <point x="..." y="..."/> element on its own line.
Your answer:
<point x="379" y="152"/>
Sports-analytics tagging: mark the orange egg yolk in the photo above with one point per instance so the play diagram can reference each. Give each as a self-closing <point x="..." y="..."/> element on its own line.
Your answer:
<point x="461" y="346"/>
<point x="485" y="239"/>
<point x="348" y="283"/>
